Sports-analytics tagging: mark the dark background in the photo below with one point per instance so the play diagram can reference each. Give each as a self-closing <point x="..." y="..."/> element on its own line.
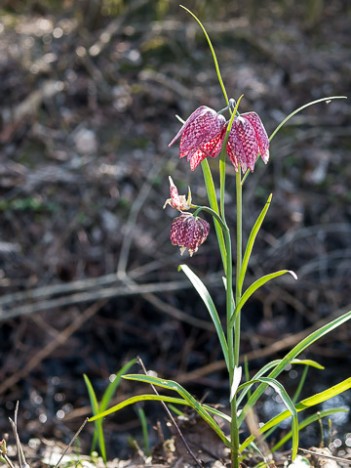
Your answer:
<point x="89" y="92"/>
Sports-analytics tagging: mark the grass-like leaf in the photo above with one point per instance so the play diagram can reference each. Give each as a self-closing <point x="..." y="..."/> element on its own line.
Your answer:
<point x="304" y="404"/>
<point x="296" y="111"/>
<point x="145" y="432"/>
<point x="214" y="56"/>
<point x="307" y="421"/>
<point x="293" y="354"/>
<point x="138" y="399"/>
<point x="270" y="365"/>
<point x="212" y="199"/>
<point x="98" y="432"/>
<point x="256" y="285"/>
<point x="208" y="301"/>
<point x="112" y="386"/>
<point x="201" y="409"/>
<point x="291" y="410"/>
<point x="251" y="240"/>
<point x="98" y="436"/>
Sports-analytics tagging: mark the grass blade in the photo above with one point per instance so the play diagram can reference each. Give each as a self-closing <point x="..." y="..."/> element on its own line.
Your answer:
<point x="98" y="432"/>
<point x="292" y="354"/>
<point x="296" y="111"/>
<point x="258" y="284"/>
<point x="146" y="439"/>
<point x="304" y="404"/>
<point x="138" y="399"/>
<point x="270" y="365"/>
<point x="112" y="386"/>
<point x="185" y="395"/>
<point x="251" y="240"/>
<point x="212" y="199"/>
<point x="308" y="421"/>
<point x="208" y="301"/>
<point x="215" y="60"/>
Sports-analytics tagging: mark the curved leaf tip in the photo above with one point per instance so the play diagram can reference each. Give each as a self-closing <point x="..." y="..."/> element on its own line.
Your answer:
<point x="293" y="274"/>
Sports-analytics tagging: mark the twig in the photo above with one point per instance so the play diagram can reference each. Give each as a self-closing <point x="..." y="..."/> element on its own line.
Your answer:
<point x="170" y="415"/>
<point x="99" y="294"/>
<point x="317" y="453"/>
<point x="71" y="442"/>
<point x="21" y="458"/>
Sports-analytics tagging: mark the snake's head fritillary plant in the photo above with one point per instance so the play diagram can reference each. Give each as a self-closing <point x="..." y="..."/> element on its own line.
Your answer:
<point x="242" y="139"/>
<point x="189" y="232"/>
<point x="178" y="202"/>
<point x="201" y="136"/>
<point x="247" y="140"/>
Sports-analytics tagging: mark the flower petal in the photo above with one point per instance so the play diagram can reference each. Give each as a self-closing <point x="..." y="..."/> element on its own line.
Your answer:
<point x="261" y="134"/>
<point x="178" y="202"/>
<point x="242" y="144"/>
<point x="189" y="232"/>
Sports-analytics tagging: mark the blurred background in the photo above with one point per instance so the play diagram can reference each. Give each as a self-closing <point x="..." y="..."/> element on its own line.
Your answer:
<point x="89" y="91"/>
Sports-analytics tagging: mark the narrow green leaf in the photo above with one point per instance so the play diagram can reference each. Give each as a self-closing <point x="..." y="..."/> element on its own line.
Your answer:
<point x="306" y="403"/>
<point x="208" y="301"/>
<point x="291" y="355"/>
<point x="212" y="199"/>
<point x="291" y="410"/>
<point x="176" y="387"/>
<point x="279" y="388"/>
<point x="98" y="432"/>
<point x="307" y="422"/>
<point x="296" y="111"/>
<point x="214" y="57"/>
<point x="145" y="432"/>
<point x="270" y="365"/>
<point x="138" y="399"/>
<point x="112" y="386"/>
<point x="251" y="240"/>
<point x="258" y="284"/>
<point x="92" y="395"/>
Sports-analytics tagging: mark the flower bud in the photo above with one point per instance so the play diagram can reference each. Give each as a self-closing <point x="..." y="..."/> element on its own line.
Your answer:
<point x="178" y="202"/>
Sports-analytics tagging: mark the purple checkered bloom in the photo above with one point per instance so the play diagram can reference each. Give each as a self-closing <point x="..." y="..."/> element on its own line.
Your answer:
<point x="189" y="232"/>
<point x="247" y="140"/>
<point x="201" y="136"/>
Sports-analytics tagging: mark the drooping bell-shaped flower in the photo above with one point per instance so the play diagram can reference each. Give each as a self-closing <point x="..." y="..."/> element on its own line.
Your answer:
<point x="247" y="140"/>
<point x="189" y="232"/>
<point x="179" y="202"/>
<point x="201" y="136"/>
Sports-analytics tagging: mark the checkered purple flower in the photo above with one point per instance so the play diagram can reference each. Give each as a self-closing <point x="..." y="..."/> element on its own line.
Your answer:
<point x="189" y="232"/>
<point x="247" y="140"/>
<point x="201" y="136"/>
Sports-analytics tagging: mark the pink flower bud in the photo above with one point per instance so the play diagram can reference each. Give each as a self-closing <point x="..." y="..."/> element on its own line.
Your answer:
<point x="178" y="202"/>
<point x="189" y="232"/>
<point x="201" y="136"/>
<point x="247" y="140"/>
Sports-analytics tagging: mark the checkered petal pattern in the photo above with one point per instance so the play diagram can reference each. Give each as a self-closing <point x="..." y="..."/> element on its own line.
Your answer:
<point x="247" y="140"/>
<point x="201" y="136"/>
<point x="189" y="232"/>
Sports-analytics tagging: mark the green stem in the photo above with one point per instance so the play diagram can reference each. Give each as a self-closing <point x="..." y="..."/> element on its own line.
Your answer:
<point x="239" y="261"/>
<point x="234" y="427"/>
